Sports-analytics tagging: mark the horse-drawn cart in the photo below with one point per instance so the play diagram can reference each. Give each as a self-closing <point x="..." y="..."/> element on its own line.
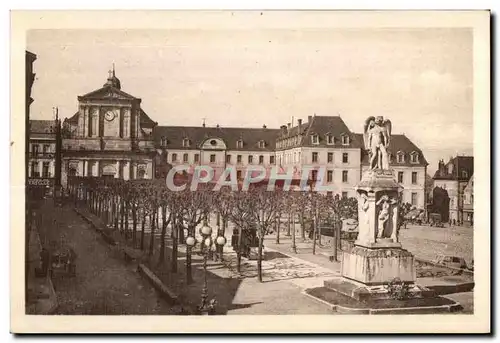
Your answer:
<point x="63" y="262"/>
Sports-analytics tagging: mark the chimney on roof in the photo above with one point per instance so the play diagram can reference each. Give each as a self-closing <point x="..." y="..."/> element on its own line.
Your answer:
<point x="289" y="125"/>
<point x="299" y="124"/>
<point x="264" y="126"/>
<point x="283" y="129"/>
<point x="217" y="126"/>
<point x="309" y="119"/>
<point x="441" y="168"/>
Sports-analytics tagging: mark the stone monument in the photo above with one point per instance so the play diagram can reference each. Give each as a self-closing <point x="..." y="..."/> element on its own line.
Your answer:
<point x="378" y="275"/>
<point x="377" y="257"/>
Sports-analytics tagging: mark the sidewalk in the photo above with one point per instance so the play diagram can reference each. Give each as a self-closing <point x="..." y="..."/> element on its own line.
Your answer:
<point x="240" y="293"/>
<point x="42" y="298"/>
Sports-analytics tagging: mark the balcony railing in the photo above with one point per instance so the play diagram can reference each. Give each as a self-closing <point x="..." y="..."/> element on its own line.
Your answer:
<point x="42" y="154"/>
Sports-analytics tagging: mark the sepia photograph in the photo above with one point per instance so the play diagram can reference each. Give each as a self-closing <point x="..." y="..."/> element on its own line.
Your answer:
<point x="311" y="166"/>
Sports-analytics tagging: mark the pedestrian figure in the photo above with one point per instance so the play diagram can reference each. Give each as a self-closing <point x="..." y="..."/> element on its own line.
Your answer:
<point x="45" y="261"/>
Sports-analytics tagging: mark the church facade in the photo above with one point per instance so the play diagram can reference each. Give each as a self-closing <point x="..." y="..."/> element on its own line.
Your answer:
<point x="109" y="136"/>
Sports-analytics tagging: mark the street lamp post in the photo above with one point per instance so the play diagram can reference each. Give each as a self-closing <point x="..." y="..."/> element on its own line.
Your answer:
<point x="206" y="307"/>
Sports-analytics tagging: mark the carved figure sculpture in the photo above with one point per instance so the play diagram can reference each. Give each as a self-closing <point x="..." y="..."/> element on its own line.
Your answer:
<point x="364" y="218"/>
<point x="377" y="137"/>
<point x="395" y="224"/>
<point x="384" y="214"/>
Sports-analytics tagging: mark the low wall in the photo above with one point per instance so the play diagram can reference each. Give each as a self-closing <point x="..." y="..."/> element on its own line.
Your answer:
<point x="425" y="266"/>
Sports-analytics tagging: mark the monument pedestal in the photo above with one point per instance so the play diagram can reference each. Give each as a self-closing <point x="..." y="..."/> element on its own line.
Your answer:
<point x="378" y="275"/>
<point x="378" y="266"/>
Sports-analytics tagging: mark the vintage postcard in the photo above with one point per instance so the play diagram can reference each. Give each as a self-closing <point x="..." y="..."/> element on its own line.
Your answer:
<point x="292" y="172"/>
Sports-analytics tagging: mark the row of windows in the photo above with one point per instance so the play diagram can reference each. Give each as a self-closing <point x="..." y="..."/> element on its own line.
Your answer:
<point x="314" y="175"/>
<point x="294" y="141"/>
<point x="329" y="175"/>
<point x="186" y="143"/>
<point x="345" y="157"/>
<point x="315" y="157"/>
<point x="229" y="158"/>
<point x="414" y="177"/>
<point x="35" y="171"/>
<point x="330" y="140"/>
<point x="35" y="149"/>
<point x="400" y="157"/>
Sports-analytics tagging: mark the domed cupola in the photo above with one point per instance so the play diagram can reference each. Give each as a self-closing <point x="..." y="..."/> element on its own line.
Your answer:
<point x="113" y="81"/>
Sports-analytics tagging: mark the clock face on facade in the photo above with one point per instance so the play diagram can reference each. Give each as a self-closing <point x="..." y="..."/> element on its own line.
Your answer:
<point x="109" y="115"/>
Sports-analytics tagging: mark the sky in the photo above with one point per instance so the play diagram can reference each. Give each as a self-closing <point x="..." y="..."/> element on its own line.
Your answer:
<point x="420" y="79"/>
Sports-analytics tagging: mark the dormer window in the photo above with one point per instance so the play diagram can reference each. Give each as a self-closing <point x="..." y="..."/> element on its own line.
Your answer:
<point x="262" y="144"/>
<point x="239" y="144"/>
<point x="450" y="169"/>
<point x="186" y="142"/>
<point x="345" y="140"/>
<point x="414" y="157"/>
<point x="400" y="157"/>
<point x="314" y="139"/>
<point x="163" y="141"/>
<point x="329" y="139"/>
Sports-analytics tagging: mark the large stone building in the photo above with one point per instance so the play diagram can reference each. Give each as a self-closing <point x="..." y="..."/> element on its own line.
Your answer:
<point x="324" y="144"/>
<point x="216" y="147"/>
<point x="453" y="177"/>
<point x="109" y="136"/>
<point x="322" y="141"/>
<point x="469" y="202"/>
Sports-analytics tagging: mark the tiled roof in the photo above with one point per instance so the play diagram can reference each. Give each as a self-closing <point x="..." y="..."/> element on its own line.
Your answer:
<point x="42" y="126"/>
<point x="73" y="119"/>
<point x="230" y="135"/>
<point x="145" y="120"/>
<point x="399" y="143"/>
<point x="460" y="164"/>
<point x="321" y="126"/>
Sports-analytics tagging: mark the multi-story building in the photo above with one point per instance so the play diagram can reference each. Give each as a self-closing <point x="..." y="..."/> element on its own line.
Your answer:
<point x="30" y="58"/>
<point x="469" y="202"/>
<point x="42" y="152"/>
<point x="326" y="146"/>
<point x="454" y="177"/>
<point x="110" y="135"/>
<point x="217" y="147"/>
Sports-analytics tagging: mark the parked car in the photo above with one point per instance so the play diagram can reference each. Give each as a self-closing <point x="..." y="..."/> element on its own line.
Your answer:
<point x="435" y="220"/>
<point x="451" y="261"/>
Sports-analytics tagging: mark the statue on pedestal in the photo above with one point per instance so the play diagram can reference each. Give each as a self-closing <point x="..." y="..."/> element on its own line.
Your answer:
<point x="377" y="136"/>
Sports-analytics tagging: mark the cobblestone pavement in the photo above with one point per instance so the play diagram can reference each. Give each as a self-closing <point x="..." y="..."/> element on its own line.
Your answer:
<point x="427" y="242"/>
<point x="104" y="284"/>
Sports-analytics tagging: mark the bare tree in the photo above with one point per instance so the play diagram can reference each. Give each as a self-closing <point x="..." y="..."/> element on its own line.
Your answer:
<point x="265" y="206"/>
<point x="241" y="216"/>
<point x="195" y="206"/>
<point x="166" y="198"/>
<point x="223" y="201"/>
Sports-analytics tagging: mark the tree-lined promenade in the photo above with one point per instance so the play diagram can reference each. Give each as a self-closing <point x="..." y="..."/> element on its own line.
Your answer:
<point x="145" y="210"/>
